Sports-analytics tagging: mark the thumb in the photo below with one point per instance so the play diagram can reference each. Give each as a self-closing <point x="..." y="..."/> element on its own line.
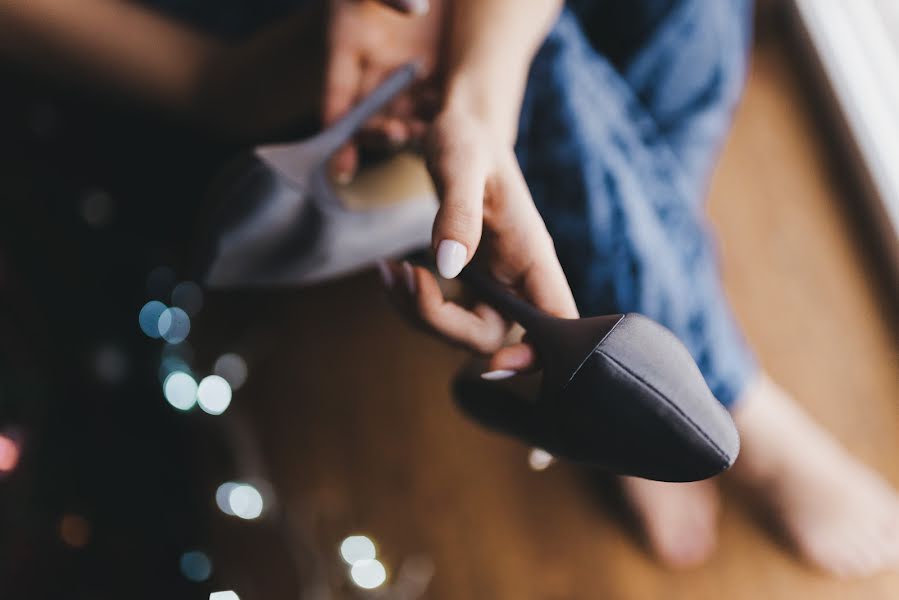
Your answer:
<point x="459" y="173"/>
<point x="342" y="77"/>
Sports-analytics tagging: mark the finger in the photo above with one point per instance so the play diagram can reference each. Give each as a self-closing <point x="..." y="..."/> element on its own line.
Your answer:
<point x="399" y="281"/>
<point x="373" y="74"/>
<point x="545" y="284"/>
<point x="396" y="131"/>
<point x="391" y="131"/>
<point x="481" y="329"/>
<point x="397" y="284"/>
<point x="403" y="106"/>
<point x="518" y="357"/>
<point x="342" y="81"/>
<point x="410" y="7"/>
<point x="344" y="162"/>
<point x="541" y="277"/>
<point x="341" y="86"/>
<point x="458" y="167"/>
<point x="417" y="130"/>
<point x="387" y="134"/>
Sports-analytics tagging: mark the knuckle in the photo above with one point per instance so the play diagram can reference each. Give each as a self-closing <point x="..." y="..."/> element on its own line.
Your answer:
<point x="428" y="311"/>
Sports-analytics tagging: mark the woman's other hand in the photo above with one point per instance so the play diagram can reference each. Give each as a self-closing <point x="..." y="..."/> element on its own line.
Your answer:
<point x="485" y="206"/>
<point x="366" y="41"/>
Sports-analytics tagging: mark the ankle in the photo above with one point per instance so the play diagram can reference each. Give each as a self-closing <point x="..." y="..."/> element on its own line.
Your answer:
<point x="762" y="414"/>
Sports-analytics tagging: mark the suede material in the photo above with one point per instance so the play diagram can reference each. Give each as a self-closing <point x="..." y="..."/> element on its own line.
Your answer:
<point x="637" y="406"/>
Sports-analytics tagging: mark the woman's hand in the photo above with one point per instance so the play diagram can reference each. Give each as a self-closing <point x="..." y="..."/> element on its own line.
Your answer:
<point x="367" y="41"/>
<point x="485" y="206"/>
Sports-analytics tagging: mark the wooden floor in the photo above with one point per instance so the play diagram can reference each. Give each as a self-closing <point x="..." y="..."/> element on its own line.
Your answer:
<point x="358" y="434"/>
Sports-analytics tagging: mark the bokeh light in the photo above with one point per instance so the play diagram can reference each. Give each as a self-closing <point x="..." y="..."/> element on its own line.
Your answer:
<point x="188" y="296"/>
<point x="174" y="325"/>
<point x="75" y="531"/>
<point x="149" y="317"/>
<point x="540" y="459"/>
<point x="245" y="501"/>
<point x="214" y="394"/>
<point x="224" y="595"/>
<point x="195" y="566"/>
<point x="368" y="574"/>
<point x="357" y="547"/>
<point x="9" y="454"/>
<point x="180" y="390"/>
<point x="239" y="500"/>
<point x="223" y="495"/>
<point x="233" y="368"/>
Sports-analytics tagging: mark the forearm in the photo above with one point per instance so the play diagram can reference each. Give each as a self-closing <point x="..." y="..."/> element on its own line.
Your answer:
<point x="244" y="91"/>
<point x="490" y="46"/>
<point x="116" y="45"/>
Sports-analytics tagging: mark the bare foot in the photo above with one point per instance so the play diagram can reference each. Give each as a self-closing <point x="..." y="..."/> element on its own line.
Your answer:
<point x="678" y="519"/>
<point x="840" y="515"/>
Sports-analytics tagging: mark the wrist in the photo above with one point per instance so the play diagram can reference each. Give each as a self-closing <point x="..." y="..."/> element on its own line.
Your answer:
<point x="492" y="99"/>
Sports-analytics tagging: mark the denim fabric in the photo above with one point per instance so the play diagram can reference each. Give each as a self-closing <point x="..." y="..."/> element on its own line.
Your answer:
<point x="624" y="112"/>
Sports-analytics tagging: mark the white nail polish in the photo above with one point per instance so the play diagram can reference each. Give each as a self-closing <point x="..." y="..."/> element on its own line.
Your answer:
<point x="386" y="274"/>
<point x="451" y="256"/>
<point x="410" y="277"/>
<point x="419" y="7"/>
<point x="539" y="459"/>
<point x="498" y="374"/>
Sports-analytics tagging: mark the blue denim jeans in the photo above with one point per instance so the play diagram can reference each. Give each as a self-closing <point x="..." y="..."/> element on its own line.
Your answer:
<point x="624" y="113"/>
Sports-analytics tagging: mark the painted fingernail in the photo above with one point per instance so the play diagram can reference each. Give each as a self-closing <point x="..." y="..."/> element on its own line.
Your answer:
<point x="539" y="459"/>
<point x="410" y="276"/>
<point x="386" y="274"/>
<point x="396" y="138"/>
<point x="498" y="374"/>
<point x="451" y="257"/>
<point x="418" y="7"/>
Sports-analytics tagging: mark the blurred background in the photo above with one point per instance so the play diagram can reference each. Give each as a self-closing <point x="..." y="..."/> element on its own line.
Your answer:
<point x="158" y="440"/>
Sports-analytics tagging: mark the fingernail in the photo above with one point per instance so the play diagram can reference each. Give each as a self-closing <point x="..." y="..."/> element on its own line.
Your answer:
<point x="539" y="459"/>
<point x="418" y="7"/>
<point x="396" y="139"/>
<point x="498" y="374"/>
<point x="410" y="276"/>
<point x="343" y="177"/>
<point x="386" y="273"/>
<point x="451" y="257"/>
